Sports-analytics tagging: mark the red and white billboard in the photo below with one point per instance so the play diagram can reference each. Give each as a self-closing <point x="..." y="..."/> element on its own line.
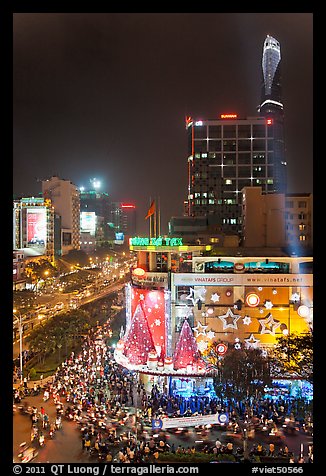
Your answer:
<point x="36" y="227"/>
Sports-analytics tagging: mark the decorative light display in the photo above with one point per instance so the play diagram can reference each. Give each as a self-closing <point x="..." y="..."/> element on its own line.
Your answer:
<point x="138" y="341"/>
<point x="200" y="329"/>
<point x="215" y="297"/>
<point x="210" y="334"/>
<point x="252" y="300"/>
<point x="197" y="294"/>
<point x="303" y="311"/>
<point x="246" y="320"/>
<point x="229" y="320"/>
<point x="221" y="349"/>
<point x="269" y="325"/>
<point x="251" y="342"/>
<point x="153" y="304"/>
<point x="268" y="304"/>
<point x="186" y="349"/>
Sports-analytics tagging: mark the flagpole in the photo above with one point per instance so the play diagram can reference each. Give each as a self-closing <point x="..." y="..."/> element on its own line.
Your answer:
<point x="150" y="220"/>
<point x="155" y="230"/>
<point x="159" y="216"/>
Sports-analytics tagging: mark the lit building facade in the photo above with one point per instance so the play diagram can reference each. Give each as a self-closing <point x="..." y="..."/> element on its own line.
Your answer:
<point x="123" y="220"/>
<point x="64" y="196"/>
<point x="33" y="227"/>
<point x="299" y="220"/>
<point x="226" y="155"/>
<point x="95" y="210"/>
<point x="242" y="300"/>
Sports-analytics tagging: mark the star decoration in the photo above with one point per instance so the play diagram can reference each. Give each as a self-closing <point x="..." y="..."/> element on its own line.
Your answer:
<point x="268" y="304"/>
<point x="269" y="325"/>
<point x="141" y="297"/>
<point x="200" y="329"/>
<point x="237" y="339"/>
<point x="202" y="345"/>
<point x="252" y="342"/>
<point x="157" y="322"/>
<point x="210" y="334"/>
<point x="197" y="294"/>
<point x="237" y="346"/>
<point x="229" y="320"/>
<point x="295" y="297"/>
<point x="215" y="297"/>
<point x="246" y="320"/>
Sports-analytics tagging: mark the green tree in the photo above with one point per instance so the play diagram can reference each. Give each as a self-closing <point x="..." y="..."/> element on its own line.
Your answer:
<point x="241" y="373"/>
<point x="293" y="356"/>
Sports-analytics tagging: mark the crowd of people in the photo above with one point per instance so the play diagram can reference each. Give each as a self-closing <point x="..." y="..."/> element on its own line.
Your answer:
<point x="111" y="407"/>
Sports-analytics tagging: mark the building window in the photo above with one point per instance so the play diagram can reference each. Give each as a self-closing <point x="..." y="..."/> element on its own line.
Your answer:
<point x="301" y="216"/>
<point x="302" y="204"/>
<point x="289" y="204"/>
<point x="302" y="238"/>
<point x="302" y="227"/>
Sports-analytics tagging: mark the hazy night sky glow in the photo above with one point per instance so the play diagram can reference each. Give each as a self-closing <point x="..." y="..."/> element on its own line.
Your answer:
<point x="105" y="95"/>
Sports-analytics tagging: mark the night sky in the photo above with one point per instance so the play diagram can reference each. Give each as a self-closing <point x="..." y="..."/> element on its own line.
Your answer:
<point x="105" y="95"/>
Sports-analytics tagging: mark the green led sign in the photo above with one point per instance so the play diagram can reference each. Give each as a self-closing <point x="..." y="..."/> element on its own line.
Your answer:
<point x="160" y="241"/>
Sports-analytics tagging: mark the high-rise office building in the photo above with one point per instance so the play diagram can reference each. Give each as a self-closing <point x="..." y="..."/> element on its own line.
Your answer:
<point x="95" y="210"/>
<point x="123" y="219"/>
<point x="225" y="155"/>
<point x="228" y="153"/>
<point x="64" y="196"/>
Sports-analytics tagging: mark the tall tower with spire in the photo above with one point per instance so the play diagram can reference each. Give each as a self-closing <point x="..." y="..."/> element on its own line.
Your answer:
<point x="271" y="107"/>
<point x="271" y="92"/>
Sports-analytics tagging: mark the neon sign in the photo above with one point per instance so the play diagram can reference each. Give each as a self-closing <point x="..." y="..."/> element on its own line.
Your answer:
<point x="229" y="116"/>
<point x="160" y="241"/>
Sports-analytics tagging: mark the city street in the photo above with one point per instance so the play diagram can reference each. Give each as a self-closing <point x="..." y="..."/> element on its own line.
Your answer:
<point x="66" y="446"/>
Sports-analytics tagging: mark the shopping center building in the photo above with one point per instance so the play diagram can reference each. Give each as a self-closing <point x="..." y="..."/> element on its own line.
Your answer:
<point x="183" y="298"/>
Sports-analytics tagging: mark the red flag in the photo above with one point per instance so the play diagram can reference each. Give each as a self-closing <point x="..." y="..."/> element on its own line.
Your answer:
<point x="151" y="210"/>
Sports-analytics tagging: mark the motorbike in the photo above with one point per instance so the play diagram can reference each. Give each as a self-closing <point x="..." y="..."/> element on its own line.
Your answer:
<point x="27" y="453"/>
<point x="41" y="440"/>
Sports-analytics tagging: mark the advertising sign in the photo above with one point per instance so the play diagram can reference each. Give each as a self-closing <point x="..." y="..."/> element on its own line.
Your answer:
<point x="194" y="279"/>
<point x="183" y="422"/>
<point x="36" y="227"/>
<point x="88" y="222"/>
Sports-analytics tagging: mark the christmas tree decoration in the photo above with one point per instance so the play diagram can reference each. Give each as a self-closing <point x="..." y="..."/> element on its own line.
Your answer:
<point x="237" y="346"/>
<point x="246" y="320"/>
<point x="268" y="304"/>
<point x="200" y="329"/>
<point x="215" y="297"/>
<point x="264" y="353"/>
<point x="252" y="342"/>
<point x="229" y="320"/>
<point x="153" y="303"/>
<point x="186" y="349"/>
<point x="269" y="325"/>
<point x="210" y="334"/>
<point x="138" y="341"/>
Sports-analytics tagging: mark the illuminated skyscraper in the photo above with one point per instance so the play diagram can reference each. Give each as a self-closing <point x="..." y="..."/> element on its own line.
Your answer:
<point x="271" y="92"/>
<point x="271" y="107"/>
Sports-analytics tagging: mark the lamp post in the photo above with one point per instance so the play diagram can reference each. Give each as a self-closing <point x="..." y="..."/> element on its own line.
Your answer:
<point x="20" y="327"/>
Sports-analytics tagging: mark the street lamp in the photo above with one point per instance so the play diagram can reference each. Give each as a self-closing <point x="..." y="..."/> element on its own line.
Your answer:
<point x="20" y="327"/>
